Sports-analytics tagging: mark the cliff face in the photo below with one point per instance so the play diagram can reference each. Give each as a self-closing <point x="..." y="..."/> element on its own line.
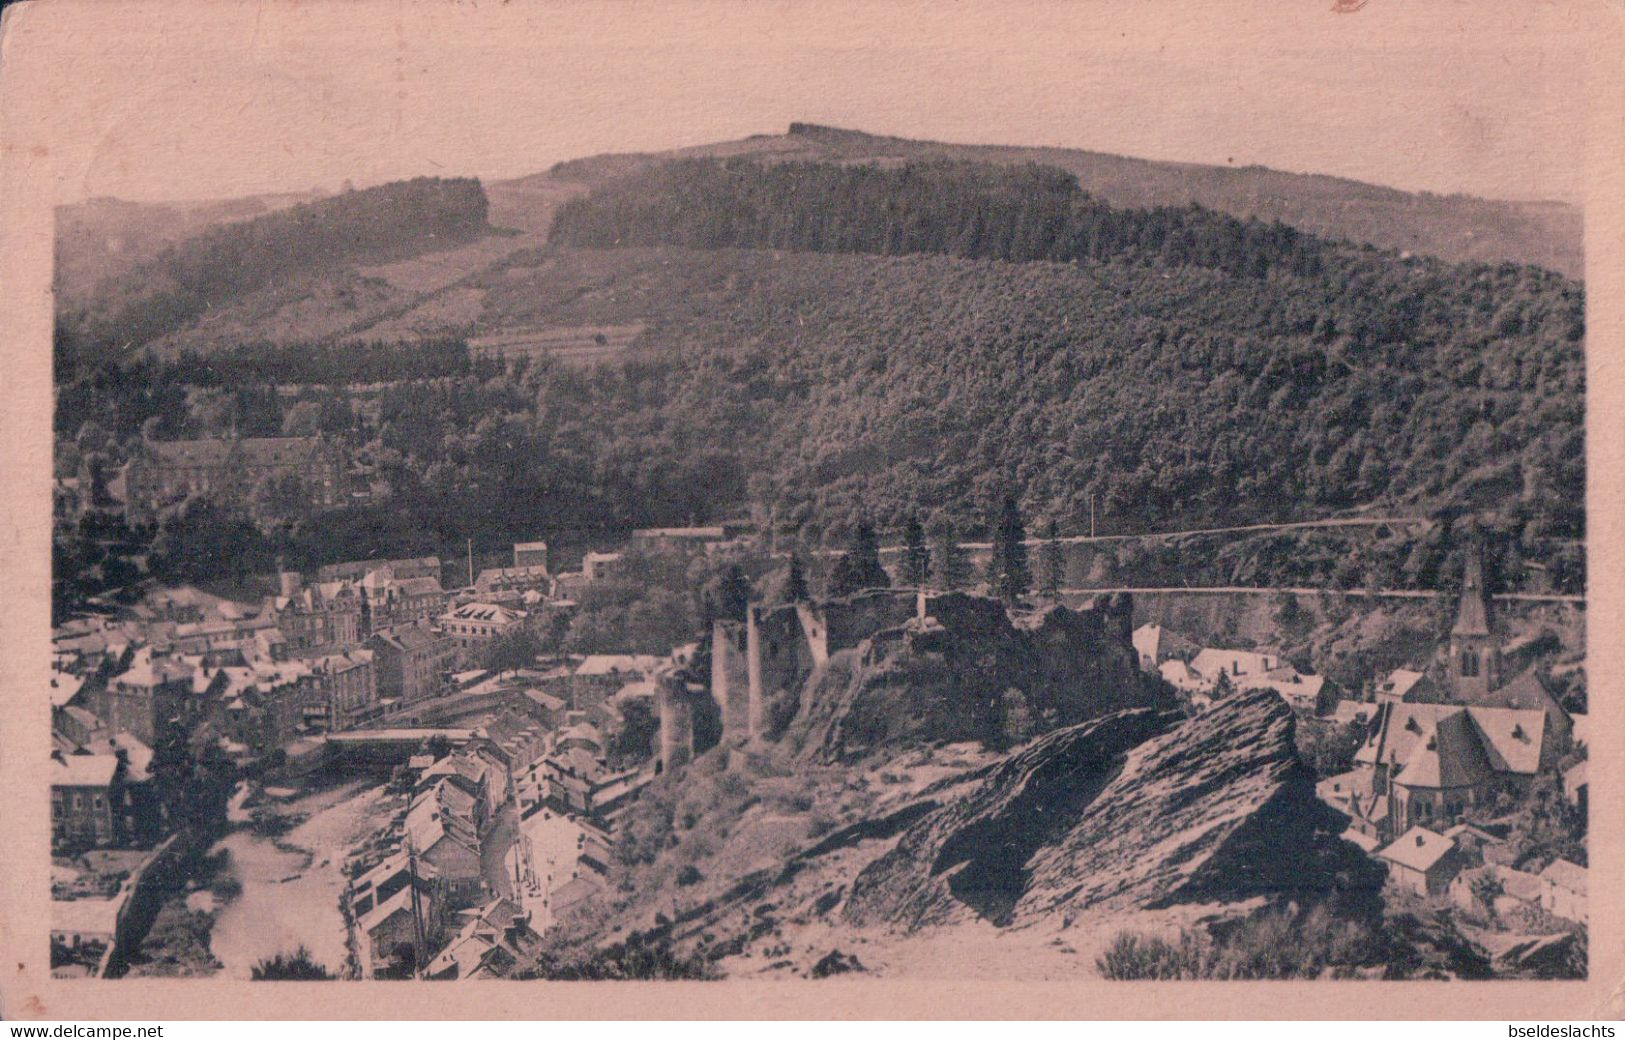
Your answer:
<point x="1028" y="859"/>
<point x="973" y="674"/>
<point x="1133" y="811"/>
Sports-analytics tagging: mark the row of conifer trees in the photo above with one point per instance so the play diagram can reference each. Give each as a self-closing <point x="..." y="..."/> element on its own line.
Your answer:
<point x="943" y="563"/>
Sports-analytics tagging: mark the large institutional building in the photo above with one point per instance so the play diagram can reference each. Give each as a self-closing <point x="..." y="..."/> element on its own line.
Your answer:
<point x="230" y="471"/>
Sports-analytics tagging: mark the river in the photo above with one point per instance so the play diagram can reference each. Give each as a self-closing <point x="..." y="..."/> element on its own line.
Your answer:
<point x="291" y="886"/>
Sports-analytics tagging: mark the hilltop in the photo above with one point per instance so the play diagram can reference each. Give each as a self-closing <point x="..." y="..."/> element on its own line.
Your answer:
<point x="1452" y="227"/>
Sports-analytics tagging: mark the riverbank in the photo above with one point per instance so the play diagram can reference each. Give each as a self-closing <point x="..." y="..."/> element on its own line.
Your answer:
<point x="291" y="884"/>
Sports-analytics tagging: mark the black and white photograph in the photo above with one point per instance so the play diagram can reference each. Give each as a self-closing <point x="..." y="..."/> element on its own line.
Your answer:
<point x="715" y="492"/>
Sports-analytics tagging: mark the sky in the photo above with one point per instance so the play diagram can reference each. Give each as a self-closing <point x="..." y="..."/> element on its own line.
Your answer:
<point x="184" y="100"/>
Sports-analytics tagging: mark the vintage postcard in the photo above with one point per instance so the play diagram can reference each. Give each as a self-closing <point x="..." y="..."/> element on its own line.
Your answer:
<point x="808" y="509"/>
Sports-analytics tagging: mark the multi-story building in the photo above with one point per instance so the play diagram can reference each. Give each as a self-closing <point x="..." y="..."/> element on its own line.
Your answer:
<point x="597" y="566"/>
<point x="82" y="799"/>
<point x="265" y="713"/>
<point x="231" y="471"/>
<point x="497" y="580"/>
<point x="388" y="600"/>
<point x="601" y="676"/>
<point x="346" y="688"/>
<point x="411" y="662"/>
<point x="148" y="695"/>
<point x="473" y="625"/>
<point x="316" y="617"/>
<point x="530" y="554"/>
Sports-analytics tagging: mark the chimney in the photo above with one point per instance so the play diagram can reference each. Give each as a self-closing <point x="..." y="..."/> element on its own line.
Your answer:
<point x="1419" y="841"/>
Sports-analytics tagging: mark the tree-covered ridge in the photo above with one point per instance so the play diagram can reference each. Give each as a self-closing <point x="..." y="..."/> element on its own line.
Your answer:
<point x="962" y="209"/>
<point x="815" y="389"/>
<point x="230" y="260"/>
<point x="1185" y="367"/>
<point x="820" y="388"/>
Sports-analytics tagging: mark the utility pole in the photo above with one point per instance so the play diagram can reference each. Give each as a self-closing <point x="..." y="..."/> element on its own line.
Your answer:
<point x="1091" y="515"/>
<point x="420" y="951"/>
<point x="471" y="563"/>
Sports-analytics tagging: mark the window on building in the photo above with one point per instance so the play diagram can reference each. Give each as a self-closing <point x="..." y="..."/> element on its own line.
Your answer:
<point x="1469" y="663"/>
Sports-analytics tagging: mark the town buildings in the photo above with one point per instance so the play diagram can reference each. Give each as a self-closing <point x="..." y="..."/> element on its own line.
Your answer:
<point x="403" y="569"/>
<point x="496" y="581"/>
<point x="493" y="939"/>
<point x="1434" y="764"/>
<point x="1563" y="890"/>
<point x="388" y="600"/>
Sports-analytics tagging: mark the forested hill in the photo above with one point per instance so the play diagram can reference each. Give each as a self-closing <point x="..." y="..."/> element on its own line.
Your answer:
<point x="102" y="237"/>
<point x="227" y="261"/>
<point x="1188" y="367"/>
<point x="1451" y="227"/>
<point x="815" y="344"/>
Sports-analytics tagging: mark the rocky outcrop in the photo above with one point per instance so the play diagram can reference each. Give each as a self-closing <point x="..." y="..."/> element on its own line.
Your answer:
<point x="1132" y="811"/>
<point x="972" y="673"/>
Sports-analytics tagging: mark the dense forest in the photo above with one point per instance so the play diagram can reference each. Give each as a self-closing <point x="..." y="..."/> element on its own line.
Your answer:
<point x="232" y="259"/>
<point x="1170" y="369"/>
<point x="1017" y="213"/>
<point x="1187" y="367"/>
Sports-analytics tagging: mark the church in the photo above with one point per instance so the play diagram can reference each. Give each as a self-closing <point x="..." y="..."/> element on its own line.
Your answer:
<point x="1436" y="764"/>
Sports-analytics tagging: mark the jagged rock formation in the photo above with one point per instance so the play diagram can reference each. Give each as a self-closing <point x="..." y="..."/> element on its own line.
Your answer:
<point x="1133" y="811"/>
<point x="972" y="674"/>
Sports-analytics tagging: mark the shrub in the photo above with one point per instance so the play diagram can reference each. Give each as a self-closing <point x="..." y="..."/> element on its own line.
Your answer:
<point x="296" y="966"/>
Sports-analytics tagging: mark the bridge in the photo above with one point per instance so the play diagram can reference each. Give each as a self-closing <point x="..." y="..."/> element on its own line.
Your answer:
<point x="400" y="736"/>
<point x="365" y="748"/>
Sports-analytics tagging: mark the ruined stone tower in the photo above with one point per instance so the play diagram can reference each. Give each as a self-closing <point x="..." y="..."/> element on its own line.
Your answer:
<point x="676" y="708"/>
<point x="730" y="679"/>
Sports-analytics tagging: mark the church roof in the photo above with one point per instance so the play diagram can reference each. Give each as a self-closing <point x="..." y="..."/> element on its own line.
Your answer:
<point x="1448" y="754"/>
<point x="1526" y="692"/>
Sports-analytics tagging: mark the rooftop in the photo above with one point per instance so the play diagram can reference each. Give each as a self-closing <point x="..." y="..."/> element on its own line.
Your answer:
<point x="613" y="664"/>
<point x="85" y="916"/>
<point x="83" y="770"/>
<point x="1418" y="849"/>
<point x="1567" y="875"/>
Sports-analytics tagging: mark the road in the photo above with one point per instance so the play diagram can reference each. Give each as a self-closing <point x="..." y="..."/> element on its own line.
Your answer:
<point x="1516" y="597"/>
<point x="552" y="843"/>
<point x="1085" y="539"/>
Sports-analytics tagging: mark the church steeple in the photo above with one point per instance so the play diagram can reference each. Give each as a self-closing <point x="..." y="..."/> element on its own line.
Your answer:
<point x="1474" y="653"/>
